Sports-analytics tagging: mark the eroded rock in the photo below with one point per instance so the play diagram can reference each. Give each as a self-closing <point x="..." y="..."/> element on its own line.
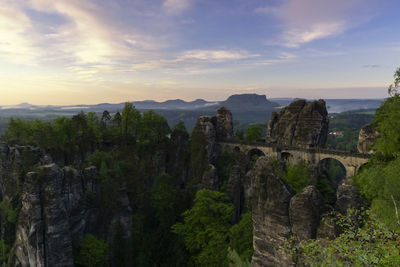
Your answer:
<point x="301" y="124"/>
<point x="305" y="213"/>
<point x="367" y="138"/>
<point x="224" y="124"/>
<point x="271" y="224"/>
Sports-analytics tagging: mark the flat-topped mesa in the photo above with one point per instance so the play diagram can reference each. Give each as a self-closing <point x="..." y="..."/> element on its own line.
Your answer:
<point x="301" y="124"/>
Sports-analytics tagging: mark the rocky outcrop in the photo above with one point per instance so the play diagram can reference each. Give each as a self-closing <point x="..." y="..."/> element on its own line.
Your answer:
<point x="43" y="235"/>
<point x="207" y="127"/>
<point x="367" y="138"/>
<point x="224" y="124"/>
<point x="347" y="197"/>
<point x="235" y="191"/>
<point x="301" y="124"/>
<point x="219" y="127"/>
<point x="271" y="224"/>
<point x="210" y="178"/>
<point x="57" y="206"/>
<point x="305" y="213"/>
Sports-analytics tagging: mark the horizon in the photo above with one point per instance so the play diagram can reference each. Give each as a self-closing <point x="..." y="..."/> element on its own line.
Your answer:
<point x="69" y="52"/>
<point x="187" y="100"/>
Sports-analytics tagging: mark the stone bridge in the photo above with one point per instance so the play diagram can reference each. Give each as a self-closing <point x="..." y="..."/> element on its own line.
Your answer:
<point x="351" y="161"/>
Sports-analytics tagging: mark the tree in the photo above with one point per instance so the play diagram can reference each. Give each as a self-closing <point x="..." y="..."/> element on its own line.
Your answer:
<point x="93" y="252"/>
<point x="206" y="228"/>
<point x="130" y="120"/>
<point x="241" y="237"/>
<point x="253" y="133"/>
<point x="379" y="181"/>
<point x="106" y="117"/>
<point x="297" y="176"/>
<point x="153" y="128"/>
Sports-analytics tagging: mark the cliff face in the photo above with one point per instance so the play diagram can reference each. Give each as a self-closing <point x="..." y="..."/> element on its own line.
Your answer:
<point x="55" y="207"/>
<point x="270" y="206"/>
<point x="219" y="127"/>
<point x="279" y="213"/>
<point x="302" y="124"/>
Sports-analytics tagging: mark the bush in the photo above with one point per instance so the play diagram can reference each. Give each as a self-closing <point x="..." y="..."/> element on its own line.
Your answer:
<point x="93" y="252"/>
<point x="297" y="176"/>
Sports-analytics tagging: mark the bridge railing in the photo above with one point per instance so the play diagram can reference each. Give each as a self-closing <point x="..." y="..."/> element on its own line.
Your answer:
<point x="309" y="150"/>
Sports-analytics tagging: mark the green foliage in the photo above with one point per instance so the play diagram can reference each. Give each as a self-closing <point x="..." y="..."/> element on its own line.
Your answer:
<point x="206" y="228"/>
<point x="387" y="119"/>
<point x="235" y="260"/>
<point x="153" y="128"/>
<point x="370" y="245"/>
<point x="380" y="185"/>
<point x="327" y="191"/>
<point x="241" y="237"/>
<point x="297" y="176"/>
<point x="4" y="253"/>
<point x="130" y="122"/>
<point x="253" y="133"/>
<point x="93" y="252"/>
<point x="120" y="247"/>
<point x="7" y="212"/>
<point x="165" y="199"/>
<point x="347" y="142"/>
<point x="225" y="160"/>
<point x="379" y="181"/>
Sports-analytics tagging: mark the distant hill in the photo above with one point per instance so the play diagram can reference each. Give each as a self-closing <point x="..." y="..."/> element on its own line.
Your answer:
<point x="339" y="105"/>
<point x="246" y="108"/>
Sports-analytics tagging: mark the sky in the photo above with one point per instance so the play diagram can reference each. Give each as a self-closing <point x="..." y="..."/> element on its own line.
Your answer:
<point x="94" y="51"/>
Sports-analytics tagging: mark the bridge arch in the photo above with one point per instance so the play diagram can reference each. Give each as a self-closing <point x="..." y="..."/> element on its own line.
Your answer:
<point x="254" y="152"/>
<point x="286" y="156"/>
<point x="330" y="174"/>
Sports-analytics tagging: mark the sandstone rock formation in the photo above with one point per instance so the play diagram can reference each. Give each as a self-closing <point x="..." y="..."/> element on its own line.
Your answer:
<point x="305" y="212"/>
<point x="215" y="128"/>
<point x="279" y="213"/>
<point x="271" y="224"/>
<point x="207" y="127"/>
<point x="235" y="191"/>
<point x="224" y="124"/>
<point x="210" y="178"/>
<point x="301" y="124"/>
<point x="55" y="207"/>
<point x="367" y="138"/>
<point x="347" y="197"/>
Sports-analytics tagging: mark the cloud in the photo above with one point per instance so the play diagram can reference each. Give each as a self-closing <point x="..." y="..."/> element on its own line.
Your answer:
<point x="189" y="58"/>
<point x="15" y="32"/>
<point x="76" y="33"/>
<point x="303" y="21"/>
<point x="176" y="6"/>
<point x="214" y="55"/>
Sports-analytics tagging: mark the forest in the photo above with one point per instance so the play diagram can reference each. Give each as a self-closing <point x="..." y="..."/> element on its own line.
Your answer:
<point x="178" y="222"/>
